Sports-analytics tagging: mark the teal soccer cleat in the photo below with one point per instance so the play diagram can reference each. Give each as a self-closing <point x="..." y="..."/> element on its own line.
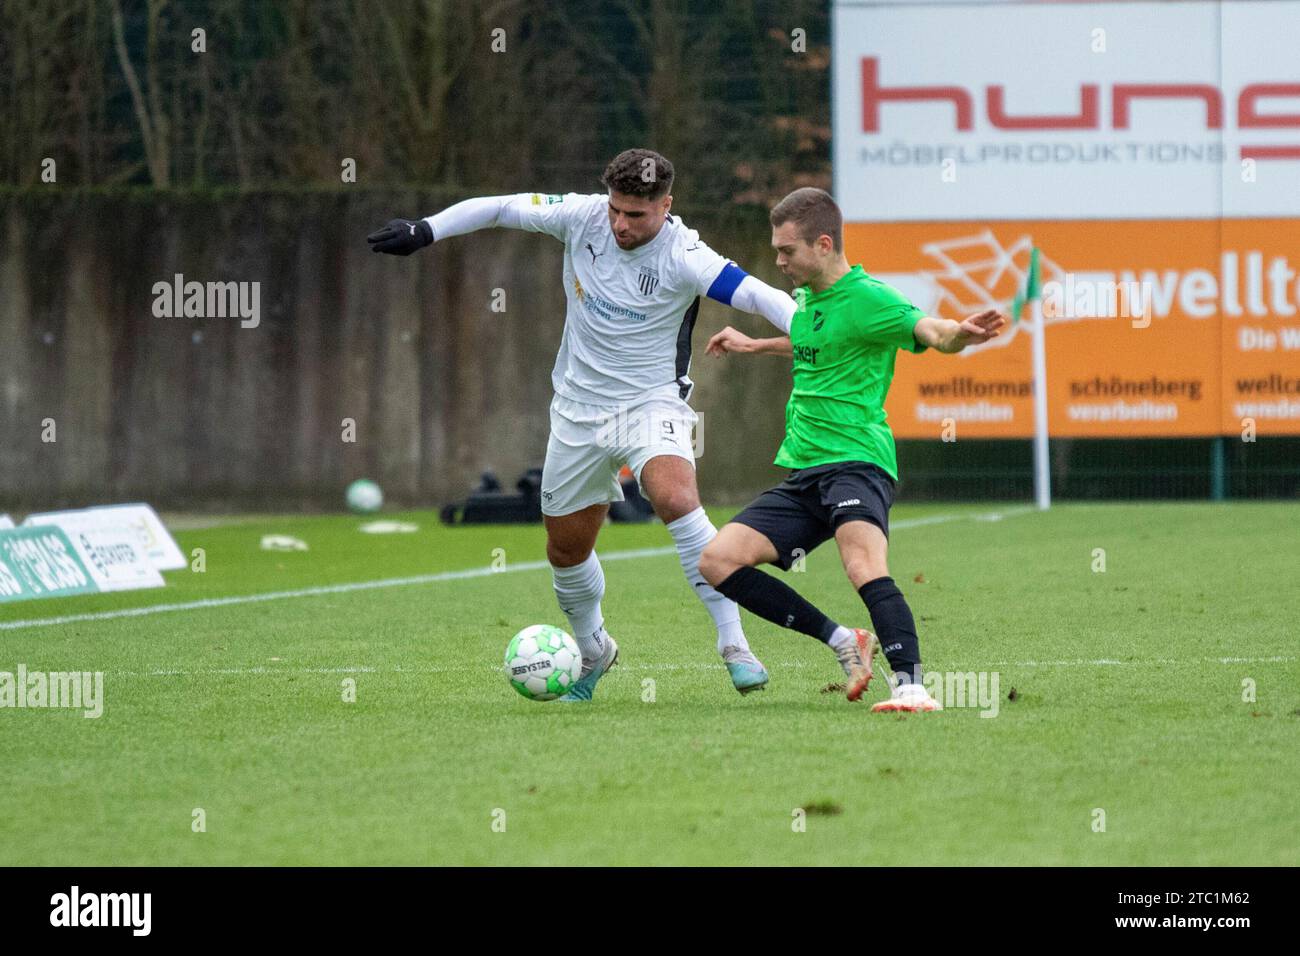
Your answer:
<point x="747" y="672"/>
<point x="585" y="685"/>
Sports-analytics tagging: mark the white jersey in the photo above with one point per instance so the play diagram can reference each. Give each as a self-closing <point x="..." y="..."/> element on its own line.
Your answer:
<point x="630" y="314"/>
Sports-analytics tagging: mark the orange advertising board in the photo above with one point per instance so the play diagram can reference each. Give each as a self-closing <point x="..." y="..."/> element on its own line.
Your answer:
<point x="1152" y="328"/>
<point x="1261" y="336"/>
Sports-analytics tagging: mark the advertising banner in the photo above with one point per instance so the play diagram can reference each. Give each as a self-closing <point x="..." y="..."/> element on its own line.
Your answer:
<point x="1150" y="151"/>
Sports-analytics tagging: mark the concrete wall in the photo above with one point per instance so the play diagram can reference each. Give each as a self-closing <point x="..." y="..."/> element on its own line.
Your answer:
<point x="199" y="412"/>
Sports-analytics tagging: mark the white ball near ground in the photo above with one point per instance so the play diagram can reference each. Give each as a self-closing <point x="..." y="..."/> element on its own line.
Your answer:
<point x="364" y="496"/>
<point x="542" y="662"/>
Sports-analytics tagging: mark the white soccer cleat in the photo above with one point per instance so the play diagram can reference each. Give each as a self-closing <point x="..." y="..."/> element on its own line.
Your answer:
<point x="907" y="698"/>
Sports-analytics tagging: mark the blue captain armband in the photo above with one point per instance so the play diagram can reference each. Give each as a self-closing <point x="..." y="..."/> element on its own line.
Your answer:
<point x="725" y="285"/>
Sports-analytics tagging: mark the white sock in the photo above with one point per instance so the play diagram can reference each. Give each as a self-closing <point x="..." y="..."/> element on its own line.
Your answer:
<point x="691" y="533"/>
<point x="841" y="637"/>
<point x="579" y="590"/>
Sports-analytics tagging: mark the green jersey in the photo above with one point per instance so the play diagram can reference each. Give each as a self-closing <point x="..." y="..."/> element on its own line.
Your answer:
<point x="845" y="339"/>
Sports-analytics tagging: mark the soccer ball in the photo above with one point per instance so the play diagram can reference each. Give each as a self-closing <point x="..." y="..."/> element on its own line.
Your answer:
<point x="542" y="662"/>
<point x="364" y="497"/>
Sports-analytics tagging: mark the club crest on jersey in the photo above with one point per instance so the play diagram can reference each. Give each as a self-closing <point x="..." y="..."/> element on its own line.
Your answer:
<point x="647" y="279"/>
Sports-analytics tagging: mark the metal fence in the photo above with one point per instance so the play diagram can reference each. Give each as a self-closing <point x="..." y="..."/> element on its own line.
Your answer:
<point x="1086" y="469"/>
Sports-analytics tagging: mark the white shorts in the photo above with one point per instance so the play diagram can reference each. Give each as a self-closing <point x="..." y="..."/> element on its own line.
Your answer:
<point x="590" y="444"/>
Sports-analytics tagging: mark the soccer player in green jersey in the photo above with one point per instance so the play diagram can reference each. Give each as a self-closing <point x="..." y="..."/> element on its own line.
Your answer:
<point x="843" y="339"/>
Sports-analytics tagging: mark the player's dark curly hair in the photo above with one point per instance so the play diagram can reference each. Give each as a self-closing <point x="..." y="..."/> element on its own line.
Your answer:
<point x="639" y="172"/>
<point x="813" y="213"/>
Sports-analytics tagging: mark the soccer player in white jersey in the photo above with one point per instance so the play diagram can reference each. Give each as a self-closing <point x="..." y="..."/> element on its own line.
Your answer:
<point x="633" y="277"/>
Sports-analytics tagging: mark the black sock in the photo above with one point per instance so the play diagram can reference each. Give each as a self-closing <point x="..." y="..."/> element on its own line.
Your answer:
<point x="774" y="600"/>
<point x="892" y="619"/>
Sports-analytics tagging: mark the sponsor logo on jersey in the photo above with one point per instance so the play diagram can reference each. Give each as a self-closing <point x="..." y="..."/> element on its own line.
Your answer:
<point x="594" y="254"/>
<point x="647" y="280"/>
<point x="819" y="319"/>
<point x="599" y="305"/>
<point x="541" y="200"/>
<point x="850" y="501"/>
<point x="806" y="353"/>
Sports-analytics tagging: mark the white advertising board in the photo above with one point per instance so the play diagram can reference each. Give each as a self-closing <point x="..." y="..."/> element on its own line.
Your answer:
<point x="140" y="520"/>
<point x="1066" y="111"/>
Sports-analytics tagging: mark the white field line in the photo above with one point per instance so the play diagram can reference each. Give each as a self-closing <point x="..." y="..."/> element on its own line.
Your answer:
<point x="1149" y="662"/>
<point x="692" y="666"/>
<point x="420" y="579"/>
<point x="431" y="669"/>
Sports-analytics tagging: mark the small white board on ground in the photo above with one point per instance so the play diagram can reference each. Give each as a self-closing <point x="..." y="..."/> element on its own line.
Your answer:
<point x="282" y="542"/>
<point x="389" y="527"/>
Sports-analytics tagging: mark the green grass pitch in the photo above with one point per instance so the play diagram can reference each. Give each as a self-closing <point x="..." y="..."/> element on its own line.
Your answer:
<point x="1130" y="701"/>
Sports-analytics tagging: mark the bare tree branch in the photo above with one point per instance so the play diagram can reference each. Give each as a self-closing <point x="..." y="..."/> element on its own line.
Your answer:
<point x="157" y="166"/>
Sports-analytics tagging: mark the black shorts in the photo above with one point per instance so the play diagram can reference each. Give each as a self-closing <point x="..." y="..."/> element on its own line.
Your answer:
<point x="805" y="509"/>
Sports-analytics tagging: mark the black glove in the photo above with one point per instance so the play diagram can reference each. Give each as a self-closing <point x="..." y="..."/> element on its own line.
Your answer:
<point x="401" y="237"/>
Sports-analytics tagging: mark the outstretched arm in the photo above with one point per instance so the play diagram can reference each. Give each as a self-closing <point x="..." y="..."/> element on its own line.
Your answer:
<point x="740" y="290"/>
<point x="485" y="212"/>
<point x="723" y="281"/>
<point x="945" y="335"/>
<point x="735" y="287"/>
<point x="532" y="211"/>
<point x="730" y="340"/>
